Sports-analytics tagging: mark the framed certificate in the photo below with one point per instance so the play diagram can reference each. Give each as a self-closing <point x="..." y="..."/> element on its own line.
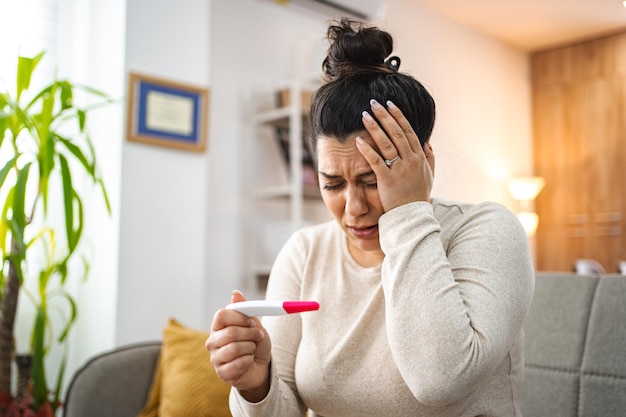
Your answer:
<point x="166" y="113"/>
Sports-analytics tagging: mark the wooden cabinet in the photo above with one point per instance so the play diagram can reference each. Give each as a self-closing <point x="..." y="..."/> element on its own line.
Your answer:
<point x="284" y="194"/>
<point x="579" y="122"/>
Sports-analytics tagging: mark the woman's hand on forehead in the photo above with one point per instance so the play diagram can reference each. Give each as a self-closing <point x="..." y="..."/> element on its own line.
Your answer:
<point x="401" y="166"/>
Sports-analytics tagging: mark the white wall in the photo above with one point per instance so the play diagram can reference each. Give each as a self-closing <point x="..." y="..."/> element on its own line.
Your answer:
<point x="181" y="239"/>
<point x="482" y="135"/>
<point x="164" y="191"/>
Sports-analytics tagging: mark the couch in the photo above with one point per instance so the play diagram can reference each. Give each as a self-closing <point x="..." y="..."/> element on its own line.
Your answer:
<point x="575" y="347"/>
<point x="575" y="356"/>
<point x="113" y="384"/>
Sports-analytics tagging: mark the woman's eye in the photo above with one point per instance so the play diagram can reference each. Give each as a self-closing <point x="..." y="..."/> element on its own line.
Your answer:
<point x="371" y="184"/>
<point x="331" y="187"/>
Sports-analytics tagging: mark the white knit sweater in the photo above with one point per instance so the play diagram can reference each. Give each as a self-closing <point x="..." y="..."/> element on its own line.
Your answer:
<point x="436" y="330"/>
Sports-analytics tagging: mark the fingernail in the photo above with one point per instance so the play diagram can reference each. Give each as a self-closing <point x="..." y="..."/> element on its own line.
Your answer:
<point x="359" y="141"/>
<point x="252" y="323"/>
<point x="367" y="116"/>
<point x="391" y="105"/>
<point x="375" y="104"/>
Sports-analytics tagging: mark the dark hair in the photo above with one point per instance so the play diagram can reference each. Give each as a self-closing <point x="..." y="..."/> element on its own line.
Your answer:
<point x="357" y="69"/>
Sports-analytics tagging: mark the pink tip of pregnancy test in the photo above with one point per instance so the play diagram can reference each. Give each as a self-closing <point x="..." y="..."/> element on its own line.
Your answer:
<point x="300" y="306"/>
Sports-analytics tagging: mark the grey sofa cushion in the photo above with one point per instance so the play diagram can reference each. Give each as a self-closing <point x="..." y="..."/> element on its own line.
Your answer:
<point x="113" y="384"/>
<point x="575" y="347"/>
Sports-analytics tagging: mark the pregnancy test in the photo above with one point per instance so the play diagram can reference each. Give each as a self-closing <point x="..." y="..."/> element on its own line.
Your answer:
<point x="272" y="308"/>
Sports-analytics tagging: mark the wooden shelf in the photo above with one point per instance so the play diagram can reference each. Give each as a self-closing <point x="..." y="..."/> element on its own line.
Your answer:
<point x="286" y="207"/>
<point x="279" y="115"/>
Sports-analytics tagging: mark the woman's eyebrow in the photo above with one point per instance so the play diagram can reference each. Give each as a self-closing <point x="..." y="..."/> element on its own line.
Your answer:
<point x="329" y="176"/>
<point x="332" y="177"/>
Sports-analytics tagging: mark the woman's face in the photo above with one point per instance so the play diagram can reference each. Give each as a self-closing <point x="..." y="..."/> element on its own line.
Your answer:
<point x="349" y="190"/>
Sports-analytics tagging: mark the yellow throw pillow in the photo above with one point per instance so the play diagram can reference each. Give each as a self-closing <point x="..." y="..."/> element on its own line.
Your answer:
<point x="185" y="383"/>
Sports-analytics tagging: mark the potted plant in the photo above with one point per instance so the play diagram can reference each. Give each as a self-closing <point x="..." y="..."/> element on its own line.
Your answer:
<point x="44" y="148"/>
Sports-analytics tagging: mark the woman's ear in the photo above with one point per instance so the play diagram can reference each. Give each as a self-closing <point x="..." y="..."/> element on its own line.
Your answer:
<point x="430" y="156"/>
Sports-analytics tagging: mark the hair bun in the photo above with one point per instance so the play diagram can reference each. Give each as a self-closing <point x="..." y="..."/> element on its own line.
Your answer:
<point x="355" y="48"/>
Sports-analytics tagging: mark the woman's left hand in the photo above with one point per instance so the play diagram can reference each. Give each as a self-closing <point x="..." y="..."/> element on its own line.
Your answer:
<point x="408" y="177"/>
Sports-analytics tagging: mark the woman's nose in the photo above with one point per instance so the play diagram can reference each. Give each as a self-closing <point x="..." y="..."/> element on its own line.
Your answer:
<point x="356" y="202"/>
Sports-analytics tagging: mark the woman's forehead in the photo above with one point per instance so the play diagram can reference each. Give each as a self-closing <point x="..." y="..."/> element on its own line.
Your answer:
<point x="331" y="143"/>
<point x="342" y="158"/>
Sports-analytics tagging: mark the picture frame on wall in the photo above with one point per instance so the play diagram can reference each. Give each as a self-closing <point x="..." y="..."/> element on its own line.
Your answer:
<point x="166" y="113"/>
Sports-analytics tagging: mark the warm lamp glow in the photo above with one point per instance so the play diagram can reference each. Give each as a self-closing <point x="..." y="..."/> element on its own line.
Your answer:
<point x="525" y="188"/>
<point x="529" y="221"/>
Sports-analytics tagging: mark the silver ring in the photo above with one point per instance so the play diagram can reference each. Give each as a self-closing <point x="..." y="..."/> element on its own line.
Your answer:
<point x="388" y="162"/>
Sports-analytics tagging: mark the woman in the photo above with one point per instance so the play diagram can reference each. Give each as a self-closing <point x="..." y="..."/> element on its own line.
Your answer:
<point x="422" y="301"/>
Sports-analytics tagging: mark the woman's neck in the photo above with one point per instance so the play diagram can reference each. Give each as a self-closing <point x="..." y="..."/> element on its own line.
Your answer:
<point x="367" y="259"/>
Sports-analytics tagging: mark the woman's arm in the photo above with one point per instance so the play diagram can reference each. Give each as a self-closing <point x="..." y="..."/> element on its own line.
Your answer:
<point x="454" y="313"/>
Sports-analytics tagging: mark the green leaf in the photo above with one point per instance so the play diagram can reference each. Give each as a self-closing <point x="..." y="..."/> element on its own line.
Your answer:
<point x="44" y="278"/>
<point x="105" y="195"/>
<point x="92" y="151"/>
<point x="22" y="120"/>
<point x="5" y="117"/>
<point x="72" y="319"/>
<point x="61" y="268"/>
<point x="4" y="227"/>
<point x="4" y="223"/>
<point x="43" y="127"/>
<point x="44" y="182"/>
<point x="18" y="120"/>
<point x="96" y="177"/>
<point x="17" y="235"/>
<point x="19" y="200"/>
<point x="73" y="225"/>
<point x="86" y="268"/>
<point x="68" y="195"/>
<point x="6" y="169"/>
<point x="82" y="118"/>
<point x="67" y="95"/>
<point x="78" y="232"/>
<point x="43" y="92"/>
<point x="40" y="385"/>
<point x="58" y="389"/>
<point x="17" y="223"/>
<point x="25" y="68"/>
<point x="46" y="156"/>
<point x="78" y="153"/>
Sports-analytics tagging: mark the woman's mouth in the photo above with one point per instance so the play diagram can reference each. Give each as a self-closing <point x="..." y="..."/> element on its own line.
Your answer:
<point x="364" y="232"/>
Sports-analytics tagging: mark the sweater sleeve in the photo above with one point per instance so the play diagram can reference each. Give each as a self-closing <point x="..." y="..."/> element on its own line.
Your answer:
<point x="280" y="401"/>
<point x="453" y="312"/>
<point x="285" y="332"/>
